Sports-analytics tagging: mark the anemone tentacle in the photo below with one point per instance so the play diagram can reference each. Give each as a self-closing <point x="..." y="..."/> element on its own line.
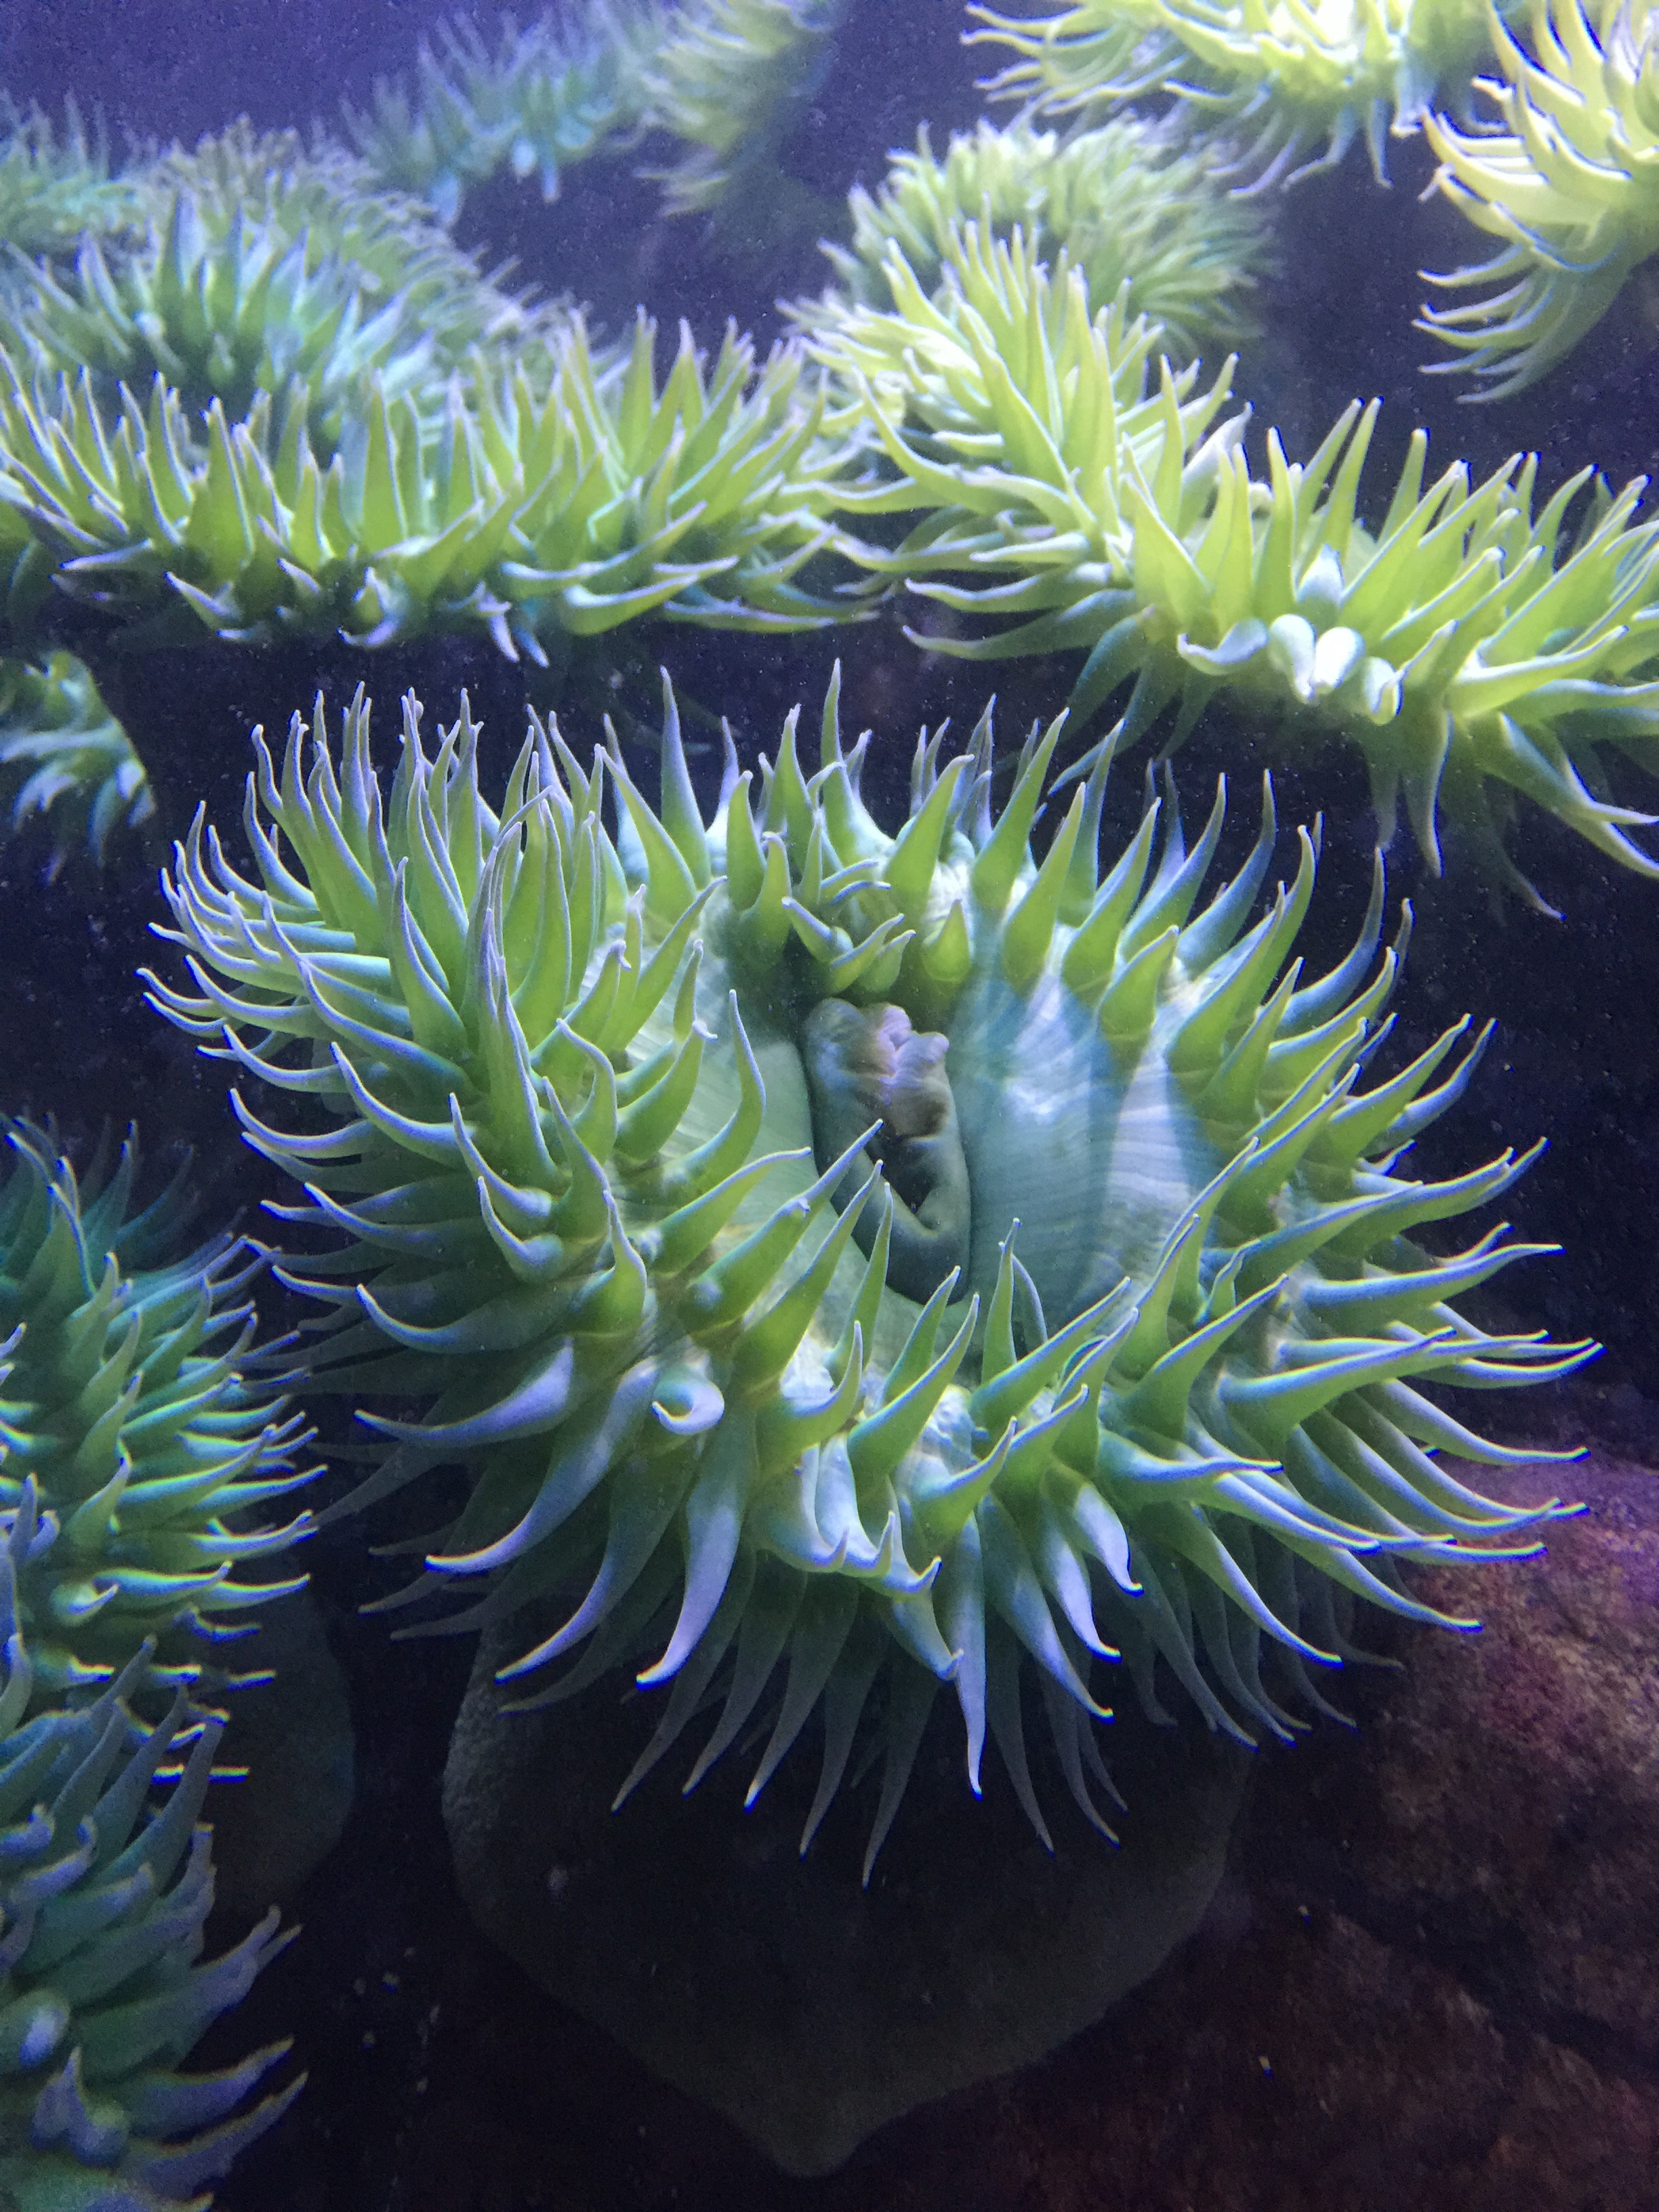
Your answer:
<point x="842" y="1259"/>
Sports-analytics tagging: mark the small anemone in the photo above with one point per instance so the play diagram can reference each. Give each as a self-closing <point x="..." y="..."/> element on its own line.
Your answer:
<point x="727" y="83"/>
<point x="1476" y="647"/>
<point x="562" y="496"/>
<point x="65" y="757"/>
<point x="547" y="96"/>
<point x="131" y="1410"/>
<point x="1130" y="204"/>
<point x="56" y="181"/>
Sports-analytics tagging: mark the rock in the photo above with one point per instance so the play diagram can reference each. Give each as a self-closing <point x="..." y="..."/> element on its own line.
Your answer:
<point x="1509" y="1809"/>
<point x="272" y="1829"/>
<point x="1297" y="2065"/>
<point x="807" y="2010"/>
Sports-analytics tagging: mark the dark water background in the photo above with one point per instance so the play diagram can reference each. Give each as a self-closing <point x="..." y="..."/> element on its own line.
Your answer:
<point x="442" y="2082"/>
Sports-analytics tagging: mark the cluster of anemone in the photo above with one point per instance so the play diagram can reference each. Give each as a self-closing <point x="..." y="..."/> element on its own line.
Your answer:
<point x="1565" y="183"/>
<point x="65" y="759"/>
<point x="1291" y="86"/>
<point x="138" y="1453"/>
<point x="829" y="1261"/>
<point x="105" y="1897"/>
<point x="1129" y="204"/>
<point x="562" y="497"/>
<point x="849" y="1263"/>
<point x="548" y="97"/>
<point x="1475" y="645"/>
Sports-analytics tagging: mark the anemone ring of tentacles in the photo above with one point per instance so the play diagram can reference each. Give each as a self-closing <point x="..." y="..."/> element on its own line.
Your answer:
<point x="849" y="1264"/>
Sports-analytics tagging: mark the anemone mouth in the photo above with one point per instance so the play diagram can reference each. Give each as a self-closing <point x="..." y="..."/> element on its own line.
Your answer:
<point x="866" y="1065"/>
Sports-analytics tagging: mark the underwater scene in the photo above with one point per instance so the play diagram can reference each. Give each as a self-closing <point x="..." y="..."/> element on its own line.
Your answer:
<point x="830" y="1106"/>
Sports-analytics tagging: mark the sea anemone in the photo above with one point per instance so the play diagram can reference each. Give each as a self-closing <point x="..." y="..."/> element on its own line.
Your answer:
<point x="106" y="1990"/>
<point x="1472" y="648"/>
<point x="1128" y="203"/>
<point x="55" y="182"/>
<point x="259" y="270"/>
<point x="1279" y="73"/>
<point x="548" y="97"/>
<point x="126" y="1409"/>
<point x="570" y="503"/>
<point x="1569" y="184"/>
<point x="388" y="242"/>
<point x="847" y="1263"/>
<point x="727" y="80"/>
<point x="65" y="757"/>
<point x="223" y="318"/>
<point x="260" y="267"/>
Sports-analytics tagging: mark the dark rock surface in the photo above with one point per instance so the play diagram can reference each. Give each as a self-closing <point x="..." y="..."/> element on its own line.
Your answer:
<point x="274" y="1828"/>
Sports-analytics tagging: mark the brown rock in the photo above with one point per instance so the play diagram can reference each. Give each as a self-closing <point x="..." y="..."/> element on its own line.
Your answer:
<point x="1506" y="1802"/>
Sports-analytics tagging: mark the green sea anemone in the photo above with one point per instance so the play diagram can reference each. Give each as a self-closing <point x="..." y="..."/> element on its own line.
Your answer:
<point x="260" y="267"/>
<point x="549" y="96"/>
<point x="1281" y="74"/>
<point x="230" y="293"/>
<point x="55" y="182"/>
<point x="569" y="504"/>
<point x="223" y="320"/>
<point x="106" y="1991"/>
<point x="385" y="242"/>
<point x="1474" y="649"/>
<point x="127" y="1407"/>
<point x="66" y="757"/>
<point x="727" y="80"/>
<point x="1128" y="204"/>
<point x="843" y="1260"/>
<point x="1569" y="184"/>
